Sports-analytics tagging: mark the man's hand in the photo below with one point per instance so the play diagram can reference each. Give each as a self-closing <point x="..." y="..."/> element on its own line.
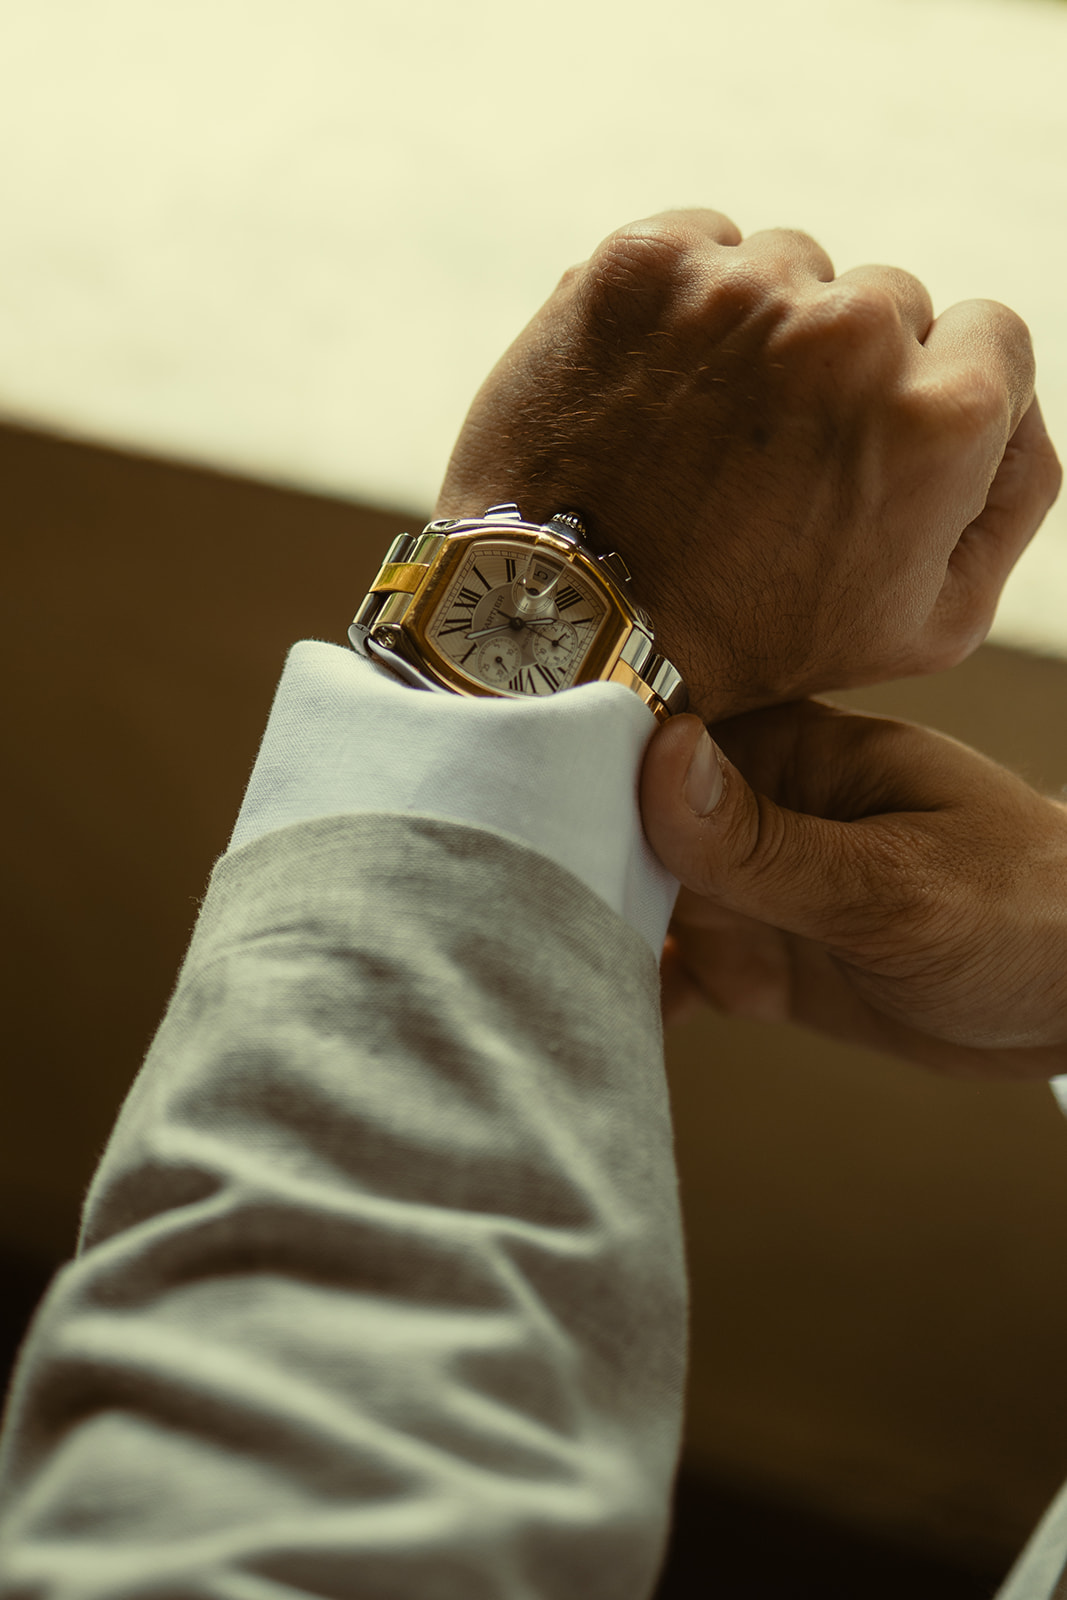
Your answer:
<point x="814" y="483"/>
<point x="877" y="881"/>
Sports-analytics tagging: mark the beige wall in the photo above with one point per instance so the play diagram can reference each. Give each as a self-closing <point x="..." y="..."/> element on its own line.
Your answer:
<point x="879" y="1257"/>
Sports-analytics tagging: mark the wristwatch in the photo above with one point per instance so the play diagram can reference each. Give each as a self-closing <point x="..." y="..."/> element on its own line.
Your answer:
<point x="495" y="606"/>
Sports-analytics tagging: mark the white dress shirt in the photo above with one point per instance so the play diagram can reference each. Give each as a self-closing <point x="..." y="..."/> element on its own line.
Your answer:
<point x="558" y="774"/>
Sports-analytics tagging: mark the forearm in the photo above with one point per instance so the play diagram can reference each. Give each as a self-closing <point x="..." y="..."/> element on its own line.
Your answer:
<point x="381" y="1282"/>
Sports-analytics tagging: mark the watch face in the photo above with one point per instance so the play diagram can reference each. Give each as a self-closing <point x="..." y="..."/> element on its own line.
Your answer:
<point x="516" y="621"/>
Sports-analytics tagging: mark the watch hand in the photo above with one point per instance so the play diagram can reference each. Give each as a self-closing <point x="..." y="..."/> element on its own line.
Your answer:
<point x="524" y="622"/>
<point x="481" y="633"/>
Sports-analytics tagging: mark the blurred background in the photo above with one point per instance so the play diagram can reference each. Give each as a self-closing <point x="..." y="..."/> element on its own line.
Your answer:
<point x="254" y="260"/>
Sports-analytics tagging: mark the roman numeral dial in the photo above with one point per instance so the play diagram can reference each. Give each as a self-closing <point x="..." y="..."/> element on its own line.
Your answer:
<point x="512" y="640"/>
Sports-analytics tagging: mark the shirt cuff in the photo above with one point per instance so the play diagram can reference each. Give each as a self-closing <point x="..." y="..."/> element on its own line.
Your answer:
<point x="558" y="774"/>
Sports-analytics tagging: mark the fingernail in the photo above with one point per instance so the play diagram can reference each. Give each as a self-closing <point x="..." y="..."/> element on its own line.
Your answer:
<point x="703" y="782"/>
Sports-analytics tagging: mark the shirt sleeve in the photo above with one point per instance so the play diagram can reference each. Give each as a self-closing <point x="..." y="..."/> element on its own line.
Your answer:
<point x="557" y="774"/>
<point x="380" y="1289"/>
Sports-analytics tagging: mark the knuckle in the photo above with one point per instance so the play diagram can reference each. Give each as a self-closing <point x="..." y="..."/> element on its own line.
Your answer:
<point x="854" y="315"/>
<point x="797" y="240"/>
<point x="1005" y="345"/>
<point x="852" y="331"/>
<point x="791" y="254"/>
<point x="787" y="247"/>
<point x="639" y="262"/>
<point x="1007" y="326"/>
<point x="906" y="292"/>
<point x="901" y="283"/>
<point x="659" y="272"/>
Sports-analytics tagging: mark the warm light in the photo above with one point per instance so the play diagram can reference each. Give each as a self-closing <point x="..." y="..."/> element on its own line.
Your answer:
<point x="291" y="239"/>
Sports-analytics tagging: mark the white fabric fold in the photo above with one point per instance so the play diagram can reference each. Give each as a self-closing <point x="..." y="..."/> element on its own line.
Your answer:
<point x="559" y="774"/>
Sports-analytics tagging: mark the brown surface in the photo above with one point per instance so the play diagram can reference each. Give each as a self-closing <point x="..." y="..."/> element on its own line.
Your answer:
<point x="879" y="1257"/>
<point x="149" y="612"/>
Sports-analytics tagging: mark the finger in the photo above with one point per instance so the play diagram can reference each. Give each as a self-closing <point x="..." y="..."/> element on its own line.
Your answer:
<point x="840" y="883"/>
<point x="790" y="253"/>
<point x="985" y="360"/>
<point x="1025" y="486"/>
<point x="812" y="756"/>
<point x="719" y="837"/>
<point x="903" y="296"/>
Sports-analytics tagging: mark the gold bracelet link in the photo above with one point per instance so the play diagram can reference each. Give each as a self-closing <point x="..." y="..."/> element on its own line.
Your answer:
<point x="399" y="576"/>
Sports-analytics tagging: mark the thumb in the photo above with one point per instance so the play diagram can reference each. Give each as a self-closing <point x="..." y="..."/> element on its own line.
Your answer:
<point x="726" y="841"/>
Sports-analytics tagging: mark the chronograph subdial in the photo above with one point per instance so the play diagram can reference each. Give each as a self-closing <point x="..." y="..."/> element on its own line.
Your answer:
<point x="499" y="659"/>
<point x="555" y="645"/>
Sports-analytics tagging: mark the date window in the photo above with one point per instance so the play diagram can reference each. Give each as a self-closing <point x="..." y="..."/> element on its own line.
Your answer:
<point x="533" y="590"/>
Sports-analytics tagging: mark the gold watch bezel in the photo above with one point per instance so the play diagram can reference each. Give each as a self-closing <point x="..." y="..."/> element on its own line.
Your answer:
<point x="601" y="656"/>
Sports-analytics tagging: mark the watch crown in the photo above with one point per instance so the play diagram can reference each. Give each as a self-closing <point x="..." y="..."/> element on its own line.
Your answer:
<point x="569" y="522"/>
